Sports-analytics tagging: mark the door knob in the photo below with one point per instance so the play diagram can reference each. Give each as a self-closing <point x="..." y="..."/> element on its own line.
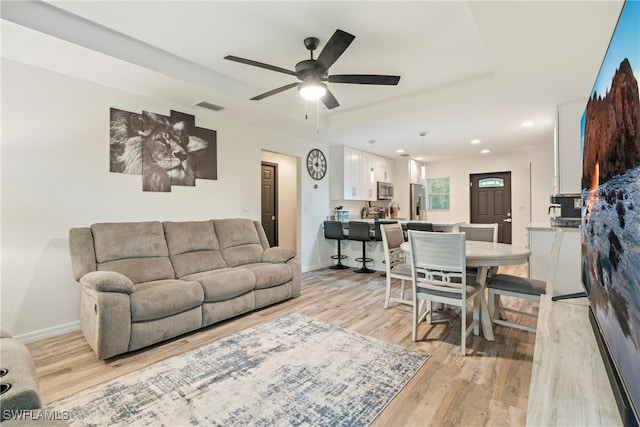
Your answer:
<point x="507" y="220"/>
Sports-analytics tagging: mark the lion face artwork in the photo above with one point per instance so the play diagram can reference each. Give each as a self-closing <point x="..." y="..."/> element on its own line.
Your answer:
<point x="165" y="150"/>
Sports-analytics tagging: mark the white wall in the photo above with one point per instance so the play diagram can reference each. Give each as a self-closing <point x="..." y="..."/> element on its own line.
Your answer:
<point x="542" y="183"/>
<point x="569" y="151"/>
<point x="519" y="165"/>
<point x="55" y="176"/>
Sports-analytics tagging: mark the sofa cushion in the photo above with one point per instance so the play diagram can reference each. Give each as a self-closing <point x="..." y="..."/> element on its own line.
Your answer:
<point x="277" y="254"/>
<point x="136" y="249"/>
<point x="162" y="298"/>
<point x="24" y="394"/>
<point x="269" y="275"/>
<point x="120" y="240"/>
<point x="193" y="247"/>
<point x="224" y="284"/>
<point x="83" y="256"/>
<point x="141" y="270"/>
<point x="239" y="241"/>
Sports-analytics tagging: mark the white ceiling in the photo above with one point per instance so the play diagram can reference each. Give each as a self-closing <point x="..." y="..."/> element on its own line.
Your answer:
<point x="473" y="69"/>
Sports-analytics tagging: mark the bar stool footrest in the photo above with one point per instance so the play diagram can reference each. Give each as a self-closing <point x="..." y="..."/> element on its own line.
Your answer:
<point x="364" y="268"/>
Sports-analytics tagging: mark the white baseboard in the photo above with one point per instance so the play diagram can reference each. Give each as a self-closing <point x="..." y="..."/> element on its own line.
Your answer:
<point x="315" y="267"/>
<point x="48" y="332"/>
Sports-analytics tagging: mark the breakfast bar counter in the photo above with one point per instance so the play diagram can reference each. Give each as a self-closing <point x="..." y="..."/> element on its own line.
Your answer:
<point x="445" y="226"/>
<point x="375" y="250"/>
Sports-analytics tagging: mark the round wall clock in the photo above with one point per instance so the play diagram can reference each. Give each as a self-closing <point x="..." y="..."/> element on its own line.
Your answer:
<point x="316" y="164"/>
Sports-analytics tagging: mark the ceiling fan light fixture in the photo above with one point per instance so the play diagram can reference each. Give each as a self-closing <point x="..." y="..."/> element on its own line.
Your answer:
<point x="312" y="89"/>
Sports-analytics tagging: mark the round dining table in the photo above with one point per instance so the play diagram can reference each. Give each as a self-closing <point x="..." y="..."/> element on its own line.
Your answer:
<point x="485" y="255"/>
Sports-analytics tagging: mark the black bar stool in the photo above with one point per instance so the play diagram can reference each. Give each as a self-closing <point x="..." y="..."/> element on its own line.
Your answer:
<point x="361" y="231"/>
<point x="418" y="226"/>
<point x="333" y="230"/>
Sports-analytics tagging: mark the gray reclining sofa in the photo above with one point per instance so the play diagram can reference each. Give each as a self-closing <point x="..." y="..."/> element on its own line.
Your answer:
<point x="145" y="282"/>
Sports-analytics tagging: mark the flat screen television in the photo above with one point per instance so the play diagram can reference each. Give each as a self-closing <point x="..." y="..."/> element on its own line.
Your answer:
<point x="610" y="214"/>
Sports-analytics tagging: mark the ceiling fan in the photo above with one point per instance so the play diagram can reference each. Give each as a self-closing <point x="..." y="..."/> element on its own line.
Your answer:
<point x="313" y="72"/>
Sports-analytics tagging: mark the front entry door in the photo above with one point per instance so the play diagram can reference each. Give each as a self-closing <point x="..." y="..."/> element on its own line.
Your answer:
<point x="270" y="202"/>
<point x="491" y="201"/>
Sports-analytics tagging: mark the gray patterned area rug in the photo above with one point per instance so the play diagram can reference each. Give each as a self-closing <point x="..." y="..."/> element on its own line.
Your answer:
<point x="292" y="370"/>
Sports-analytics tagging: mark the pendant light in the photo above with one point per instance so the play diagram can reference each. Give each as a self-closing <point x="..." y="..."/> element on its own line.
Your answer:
<point x="372" y="173"/>
<point x="423" y="169"/>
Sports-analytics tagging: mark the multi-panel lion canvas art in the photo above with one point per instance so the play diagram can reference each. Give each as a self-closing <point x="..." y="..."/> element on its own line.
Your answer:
<point x="165" y="150"/>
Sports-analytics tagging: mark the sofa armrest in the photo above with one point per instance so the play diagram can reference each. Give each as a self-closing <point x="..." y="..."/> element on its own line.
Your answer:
<point x="278" y="255"/>
<point x="107" y="281"/>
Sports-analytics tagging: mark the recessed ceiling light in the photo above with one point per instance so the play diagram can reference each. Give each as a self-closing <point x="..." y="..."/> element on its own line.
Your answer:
<point x="485" y="151"/>
<point x="526" y="124"/>
<point x="475" y="141"/>
<point x="399" y="151"/>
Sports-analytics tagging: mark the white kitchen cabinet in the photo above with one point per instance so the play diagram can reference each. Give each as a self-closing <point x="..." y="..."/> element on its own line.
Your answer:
<point x="351" y="173"/>
<point x="567" y="278"/>
<point x="346" y="173"/>
<point x="414" y="172"/>
<point x="569" y="155"/>
<point x="385" y="170"/>
<point x="368" y="177"/>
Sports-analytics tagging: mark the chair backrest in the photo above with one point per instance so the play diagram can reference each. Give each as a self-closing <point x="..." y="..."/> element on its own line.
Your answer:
<point x="480" y="232"/>
<point x="359" y="230"/>
<point x="333" y="230"/>
<point x="376" y="228"/>
<point x="553" y="259"/>
<point x="420" y="226"/>
<point x="392" y="238"/>
<point x="440" y="257"/>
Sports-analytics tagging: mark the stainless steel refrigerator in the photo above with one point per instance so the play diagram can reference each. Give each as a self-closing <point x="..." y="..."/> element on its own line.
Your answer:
<point x="418" y="201"/>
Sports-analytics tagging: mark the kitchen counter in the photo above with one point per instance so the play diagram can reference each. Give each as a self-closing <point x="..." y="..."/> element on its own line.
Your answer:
<point x="446" y="226"/>
<point x="353" y="249"/>
<point x="547" y="226"/>
<point x="567" y="278"/>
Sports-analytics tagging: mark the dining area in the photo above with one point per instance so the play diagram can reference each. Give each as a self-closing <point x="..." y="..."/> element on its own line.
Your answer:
<point x="449" y="269"/>
<point x="433" y="272"/>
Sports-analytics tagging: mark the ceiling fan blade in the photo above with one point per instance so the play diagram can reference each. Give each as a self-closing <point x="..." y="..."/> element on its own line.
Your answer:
<point x="259" y="64"/>
<point x="337" y="44"/>
<point x="329" y="100"/>
<point x="274" y="91"/>
<point x="364" y="79"/>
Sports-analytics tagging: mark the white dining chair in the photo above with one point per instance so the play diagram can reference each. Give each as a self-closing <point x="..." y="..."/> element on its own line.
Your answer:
<point x="438" y="264"/>
<point x="522" y="287"/>
<point x="395" y="264"/>
<point x="480" y="233"/>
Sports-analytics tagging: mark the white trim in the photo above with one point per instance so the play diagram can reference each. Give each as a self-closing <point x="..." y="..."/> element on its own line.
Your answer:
<point x="48" y="332"/>
<point x="315" y="267"/>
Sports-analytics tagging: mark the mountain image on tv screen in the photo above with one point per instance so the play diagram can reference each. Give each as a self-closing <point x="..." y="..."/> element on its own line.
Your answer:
<point x="611" y="199"/>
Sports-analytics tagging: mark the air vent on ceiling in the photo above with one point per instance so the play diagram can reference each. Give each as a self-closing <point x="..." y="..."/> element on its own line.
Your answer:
<point x="210" y="106"/>
<point x="405" y="155"/>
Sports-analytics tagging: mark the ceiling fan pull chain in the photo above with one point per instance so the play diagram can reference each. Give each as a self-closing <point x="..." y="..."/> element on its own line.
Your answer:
<point x="306" y="109"/>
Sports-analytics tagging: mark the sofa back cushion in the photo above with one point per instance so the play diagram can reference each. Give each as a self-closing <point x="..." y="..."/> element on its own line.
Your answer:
<point x="239" y="241"/>
<point x="83" y="256"/>
<point x="193" y="247"/>
<point x="136" y="249"/>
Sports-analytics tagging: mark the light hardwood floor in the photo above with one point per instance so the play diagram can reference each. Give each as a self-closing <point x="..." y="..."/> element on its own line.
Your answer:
<point x="490" y="386"/>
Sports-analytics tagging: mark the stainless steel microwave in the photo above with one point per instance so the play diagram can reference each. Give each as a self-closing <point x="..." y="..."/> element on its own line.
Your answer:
<point x="385" y="191"/>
